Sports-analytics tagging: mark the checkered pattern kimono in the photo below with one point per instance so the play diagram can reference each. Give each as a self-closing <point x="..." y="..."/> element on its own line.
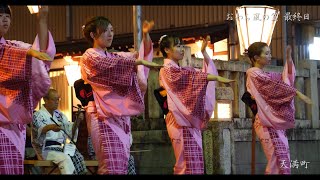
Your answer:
<point x="274" y="94"/>
<point x="131" y="166"/>
<point x="23" y="81"/>
<point x="118" y="90"/>
<point x="191" y="102"/>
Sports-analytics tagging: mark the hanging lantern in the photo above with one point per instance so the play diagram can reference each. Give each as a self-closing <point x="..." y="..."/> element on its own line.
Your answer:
<point x="33" y="9"/>
<point x="255" y="24"/>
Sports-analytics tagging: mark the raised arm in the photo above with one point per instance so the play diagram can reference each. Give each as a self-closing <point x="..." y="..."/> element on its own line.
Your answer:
<point x="146" y="28"/>
<point x="289" y="59"/>
<point x="44" y="43"/>
<point x="42" y="17"/>
<point x="208" y="65"/>
<point x="145" y="52"/>
<point x="289" y="73"/>
<point x="203" y="49"/>
<point x="43" y="47"/>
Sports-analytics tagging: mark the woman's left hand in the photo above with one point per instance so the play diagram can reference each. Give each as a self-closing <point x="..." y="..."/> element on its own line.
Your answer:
<point x="147" y="26"/>
<point x="288" y="52"/>
<point x="205" y="43"/>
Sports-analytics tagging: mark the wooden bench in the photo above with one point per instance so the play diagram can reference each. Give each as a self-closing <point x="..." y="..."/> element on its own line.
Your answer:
<point x="92" y="165"/>
<point x="50" y="164"/>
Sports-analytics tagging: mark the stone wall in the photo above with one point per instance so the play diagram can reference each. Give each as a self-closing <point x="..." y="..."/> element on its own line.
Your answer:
<point x="227" y="149"/>
<point x="304" y="144"/>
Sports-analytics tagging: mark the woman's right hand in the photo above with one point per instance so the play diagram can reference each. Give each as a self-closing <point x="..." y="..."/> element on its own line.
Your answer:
<point x="303" y="97"/>
<point x="148" y="64"/>
<point x="211" y="77"/>
<point x="224" y="80"/>
<point x="39" y="55"/>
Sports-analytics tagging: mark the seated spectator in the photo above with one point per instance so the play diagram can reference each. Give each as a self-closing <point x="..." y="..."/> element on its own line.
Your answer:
<point x="54" y="132"/>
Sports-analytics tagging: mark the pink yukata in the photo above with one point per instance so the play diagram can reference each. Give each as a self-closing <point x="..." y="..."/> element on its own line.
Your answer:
<point x="274" y="94"/>
<point x="118" y="92"/>
<point x="23" y="82"/>
<point x="191" y="99"/>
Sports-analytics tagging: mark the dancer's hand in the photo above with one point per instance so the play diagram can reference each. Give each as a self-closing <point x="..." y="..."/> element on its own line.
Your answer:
<point x="304" y="98"/>
<point x="211" y="77"/>
<point x="147" y="26"/>
<point x="289" y="52"/>
<point x="224" y="80"/>
<point x="43" y="12"/>
<point x="39" y="55"/>
<point x="148" y="64"/>
<point x="205" y="43"/>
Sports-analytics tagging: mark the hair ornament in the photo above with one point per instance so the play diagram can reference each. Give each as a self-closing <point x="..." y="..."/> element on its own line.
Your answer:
<point x="162" y="38"/>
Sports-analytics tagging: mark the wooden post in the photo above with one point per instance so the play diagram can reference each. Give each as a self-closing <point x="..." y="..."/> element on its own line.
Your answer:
<point x="154" y="110"/>
<point x="69" y="23"/>
<point x="284" y="34"/>
<point x="253" y="148"/>
<point x="231" y="40"/>
<point x="137" y="36"/>
<point x="242" y="89"/>
<point x="300" y="106"/>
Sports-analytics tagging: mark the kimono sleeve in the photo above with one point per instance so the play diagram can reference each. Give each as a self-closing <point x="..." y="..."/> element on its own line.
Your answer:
<point x="39" y="122"/>
<point x="40" y="71"/>
<point x="108" y="70"/>
<point x="274" y="99"/>
<point x="15" y="66"/>
<point x="189" y="86"/>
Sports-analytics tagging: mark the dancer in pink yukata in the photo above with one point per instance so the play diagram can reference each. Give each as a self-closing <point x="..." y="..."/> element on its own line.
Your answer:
<point x="273" y="93"/>
<point x="191" y="99"/>
<point x="118" y="87"/>
<point x="24" y="79"/>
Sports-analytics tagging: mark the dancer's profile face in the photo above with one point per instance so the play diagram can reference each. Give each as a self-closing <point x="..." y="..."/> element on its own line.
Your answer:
<point x="176" y="52"/>
<point x="265" y="56"/>
<point x="105" y="39"/>
<point x="5" y="21"/>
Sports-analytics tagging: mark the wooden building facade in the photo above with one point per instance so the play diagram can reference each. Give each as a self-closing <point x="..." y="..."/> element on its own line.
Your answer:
<point x="65" y="22"/>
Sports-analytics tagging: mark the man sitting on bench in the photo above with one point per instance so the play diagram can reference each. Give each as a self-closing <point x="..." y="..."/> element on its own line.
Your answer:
<point x="53" y="133"/>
